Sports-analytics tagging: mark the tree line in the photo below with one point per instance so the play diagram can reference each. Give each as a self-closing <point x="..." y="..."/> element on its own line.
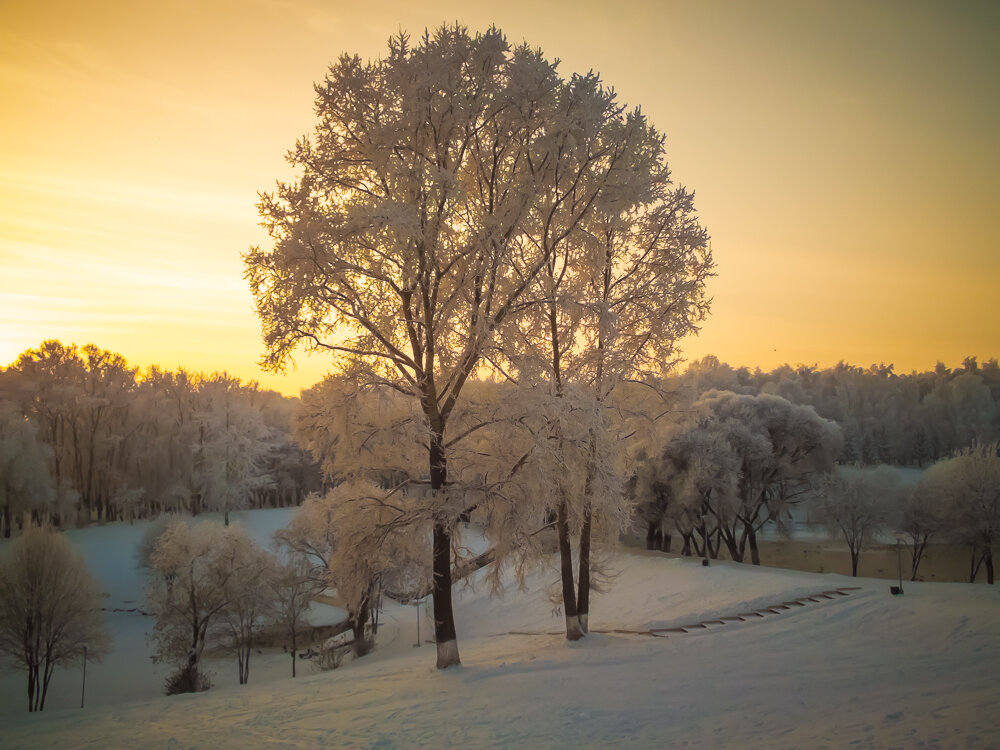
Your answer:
<point x="730" y="464"/>
<point x="742" y="447"/>
<point x="84" y="436"/>
<point x="886" y="417"/>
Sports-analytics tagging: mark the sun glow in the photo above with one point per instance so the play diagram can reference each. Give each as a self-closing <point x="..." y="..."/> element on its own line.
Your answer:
<point x="850" y="218"/>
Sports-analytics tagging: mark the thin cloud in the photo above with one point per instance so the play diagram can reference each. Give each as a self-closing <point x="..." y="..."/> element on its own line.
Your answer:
<point x="198" y="201"/>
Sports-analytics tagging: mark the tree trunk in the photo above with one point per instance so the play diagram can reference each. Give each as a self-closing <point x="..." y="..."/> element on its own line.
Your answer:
<point x="583" y="585"/>
<point x="359" y="621"/>
<point x="32" y="687"/>
<point x="654" y="535"/>
<point x="918" y="554"/>
<point x="243" y="662"/>
<point x="193" y="652"/>
<point x="855" y="558"/>
<point x="444" y="616"/>
<point x="686" y="549"/>
<point x="752" y="540"/>
<point x="573" y="631"/>
<point x="975" y="564"/>
<point x="246" y="662"/>
<point x="989" y="564"/>
<point x="713" y="549"/>
<point x="46" y="678"/>
<point x="735" y="553"/>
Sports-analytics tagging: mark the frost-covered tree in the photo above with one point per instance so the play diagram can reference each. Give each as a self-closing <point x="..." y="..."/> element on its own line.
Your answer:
<point x="104" y="432"/>
<point x="692" y="486"/>
<point x="250" y="595"/>
<point x="740" y="460"/>
<point x="856" y="503"/>
<point x="654" y="499"/>
<point x="80" y="399"/>
<point x="46" y="384"/>
<point x="49" y="609"/>
<point x="435" y="189"/>
<point x="962" y="410"/>
<point x="197" y="570"/>
<point x="205" y="441"/>
<point x="293" y="587"/>
<point x="922" y="515"/>
<point x="25" y="480"/>
<point x="612" y="301"/>
<point x="967" y="487"/>
<point x="358" y="539"/>
<point x="231" y="447"/>
<point x="166" y="404"/>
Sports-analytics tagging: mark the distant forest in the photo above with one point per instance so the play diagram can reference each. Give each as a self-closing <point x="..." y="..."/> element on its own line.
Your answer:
<point x="887" y="418"/>
<point x="84" y="436"/>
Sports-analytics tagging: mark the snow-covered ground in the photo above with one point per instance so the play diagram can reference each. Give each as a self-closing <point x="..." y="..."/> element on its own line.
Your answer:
<point x="862" y="670"/>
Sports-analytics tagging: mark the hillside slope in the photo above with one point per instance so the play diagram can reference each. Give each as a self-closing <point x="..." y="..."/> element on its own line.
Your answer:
<point x="866" y="669"/>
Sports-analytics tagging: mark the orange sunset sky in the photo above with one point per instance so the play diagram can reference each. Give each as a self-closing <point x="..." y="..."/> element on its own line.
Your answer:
<point x="845" y="157"/>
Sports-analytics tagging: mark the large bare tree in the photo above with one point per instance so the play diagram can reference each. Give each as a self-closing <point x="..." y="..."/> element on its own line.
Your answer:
<point x="613" y="301"/>
<point x="437" y="186"/>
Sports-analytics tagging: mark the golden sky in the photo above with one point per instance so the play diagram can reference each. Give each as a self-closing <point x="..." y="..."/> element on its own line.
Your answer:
<point x="845" y="158"/>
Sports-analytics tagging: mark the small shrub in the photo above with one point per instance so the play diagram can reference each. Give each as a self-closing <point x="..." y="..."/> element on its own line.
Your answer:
<point x="187" y="680"/>
<point x="330" y="656"/>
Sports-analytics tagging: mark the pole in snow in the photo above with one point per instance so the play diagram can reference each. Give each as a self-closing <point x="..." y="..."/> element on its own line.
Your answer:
<point x="417" y="644"/>
<point x="899" y="563"/>
<point x="83" y="690"/>
<point x="896" y="590"/>
<point x="704" y="536"/>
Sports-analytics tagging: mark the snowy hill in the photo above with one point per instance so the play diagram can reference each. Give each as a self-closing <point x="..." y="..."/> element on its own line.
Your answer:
<point x="864" y="669"/>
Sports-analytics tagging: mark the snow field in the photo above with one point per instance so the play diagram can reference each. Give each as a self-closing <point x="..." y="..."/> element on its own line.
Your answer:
<point x="864" y="670"/>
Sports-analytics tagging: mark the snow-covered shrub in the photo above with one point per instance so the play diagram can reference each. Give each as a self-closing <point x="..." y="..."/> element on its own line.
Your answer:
<point x="187" y="680"/>
<point x="49" y="609"/>
<point x="199" y="571"/>
<point x="360" y="538"/>
<point x="330" y="656"/>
